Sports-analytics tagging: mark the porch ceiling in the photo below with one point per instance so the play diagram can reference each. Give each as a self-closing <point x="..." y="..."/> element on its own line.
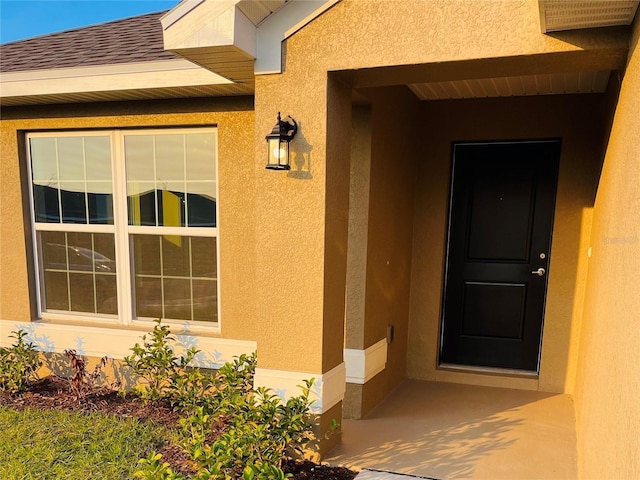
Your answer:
<point x="513" y="86"/>
<point x="558" y="15"/>
<point x="259" y="10"/>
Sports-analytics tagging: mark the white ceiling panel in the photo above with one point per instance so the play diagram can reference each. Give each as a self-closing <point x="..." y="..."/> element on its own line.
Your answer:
<point x="558" y="15"/>
<point x="557" y="83"/>
<point x="258" y="10"/>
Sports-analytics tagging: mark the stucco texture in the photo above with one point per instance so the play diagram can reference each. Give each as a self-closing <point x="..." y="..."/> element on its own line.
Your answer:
<point x="608" y="381"/>
<point x="361" y="41"/>
<point x="576" y="120"/>
<point x="234" y="120"/>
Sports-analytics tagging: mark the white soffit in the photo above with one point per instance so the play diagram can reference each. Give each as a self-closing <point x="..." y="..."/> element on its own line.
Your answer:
<point x="556" y="15"/>
<point x="141" y="76"/>
<point x="525" y="85"/>
<point x="276" y="28"/>
<point x="258" y="10"/>
<point x="227" y="36"/>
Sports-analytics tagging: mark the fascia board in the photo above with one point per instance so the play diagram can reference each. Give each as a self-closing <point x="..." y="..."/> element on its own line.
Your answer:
<point x="281" y="25"/>
<point x="214" y="24"/>
<point x="179" y="11"/>
<point x="102" y="78"/>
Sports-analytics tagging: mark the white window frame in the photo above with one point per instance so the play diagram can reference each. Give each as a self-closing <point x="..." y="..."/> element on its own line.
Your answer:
<point x="122" y="232"/>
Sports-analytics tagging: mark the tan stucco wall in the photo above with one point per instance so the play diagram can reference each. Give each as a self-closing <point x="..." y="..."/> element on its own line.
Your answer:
<point x="234" y="119"/>
<point x="439" y="40"/>
<point x="394" y="125"/>
<point x="577" y="120"/>
<point x="359" y="40"/>
<point x="608" y="381"/>
<point x="359" y="187"/>
<point x="395" y="128"/>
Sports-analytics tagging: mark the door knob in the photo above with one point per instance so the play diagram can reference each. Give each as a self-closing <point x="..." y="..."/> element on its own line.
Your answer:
<point x="540" y="272"/>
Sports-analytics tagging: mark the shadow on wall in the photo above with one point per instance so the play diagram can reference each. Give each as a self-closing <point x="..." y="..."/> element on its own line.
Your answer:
<point x="301" y="157"/>
<point x="114" y="373"/>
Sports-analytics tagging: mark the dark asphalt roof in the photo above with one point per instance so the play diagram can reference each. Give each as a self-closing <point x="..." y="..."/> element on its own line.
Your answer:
<point x="134" y="39"/>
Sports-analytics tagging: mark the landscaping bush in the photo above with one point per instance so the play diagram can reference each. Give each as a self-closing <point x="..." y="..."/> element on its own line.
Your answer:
<point x="18" y="364"/>
<point x="232" y="430"/>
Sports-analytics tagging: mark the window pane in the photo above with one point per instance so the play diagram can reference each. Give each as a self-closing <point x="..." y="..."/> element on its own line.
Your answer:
<point x="201" y="160"/>
<point x="169" y="158"/>
<point x="56" y="291"/>
<point x="139" y="158"/>
<point x="73" y="173"/>
<point x="44" y="166"/>
<point x="204" y="257"/>
<point x="175" y="256"/>
<point x="142" y="203"/>
<point x="97" y="154"/>
<point x="100" y="202"/>
<point x="104" y="252"/>
<point x="171" y="206"/>
<point x="74" y="208"/>
<point x="106" y="294"/>
<point x="54" y="250"/>
<point x="205" y="300"/>
<point x="161" y="162"/>
<point x="46" y="203"/>
<point x="146" y="254"/>
<point x="79" y="268"/>
<point x="175" y="277"/>
<point x="177" y="298"/>
<point x="81" y="289"/>
<point x="71" y="158"/>
<point x="79" y="251"/>
<point x="148" y="297"/>
<point x="202" y="204"/>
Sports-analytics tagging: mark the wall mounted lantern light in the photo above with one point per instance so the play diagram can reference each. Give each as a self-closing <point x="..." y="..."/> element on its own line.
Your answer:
<point x="278" y="143"/>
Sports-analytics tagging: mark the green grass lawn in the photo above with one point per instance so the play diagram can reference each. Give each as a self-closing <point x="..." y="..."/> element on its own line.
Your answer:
<point x="37" y="444"/>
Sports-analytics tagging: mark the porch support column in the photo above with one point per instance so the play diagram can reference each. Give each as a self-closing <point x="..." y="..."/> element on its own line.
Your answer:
<point x="301" y="240"/>
<point x="360" y="177"/>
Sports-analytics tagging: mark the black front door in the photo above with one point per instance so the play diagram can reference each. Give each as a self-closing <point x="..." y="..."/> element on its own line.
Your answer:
<point x="500" y="220"/>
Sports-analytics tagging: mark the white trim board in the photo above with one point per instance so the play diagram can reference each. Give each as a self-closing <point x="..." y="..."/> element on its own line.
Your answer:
<point x="280" y="26"/>
<point x="106" y="78"/>
<point x="204" y="24"/>
<point x="327" y="390"/>
<point x="363" y="365"/>
<point x="95" y="341"/>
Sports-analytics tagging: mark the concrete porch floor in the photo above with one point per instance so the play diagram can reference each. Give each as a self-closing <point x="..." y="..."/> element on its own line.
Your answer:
<point x="450" y="431"/>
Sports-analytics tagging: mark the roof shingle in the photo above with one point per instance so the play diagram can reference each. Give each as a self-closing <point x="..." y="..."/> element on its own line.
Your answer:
<point x="134" y="39"/>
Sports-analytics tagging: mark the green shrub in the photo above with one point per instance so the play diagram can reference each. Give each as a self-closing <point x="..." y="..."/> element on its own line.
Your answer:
<point x="154" y="469"/>
<point x="163" y="372"/>
<point x="18" y="364"/>
<point x="259" y="431"/>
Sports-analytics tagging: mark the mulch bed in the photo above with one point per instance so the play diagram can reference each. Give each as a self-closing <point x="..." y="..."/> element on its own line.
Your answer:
<point x="54" y="393"/>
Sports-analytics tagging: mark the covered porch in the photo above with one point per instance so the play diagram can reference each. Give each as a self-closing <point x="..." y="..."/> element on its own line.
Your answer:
<point x="453" y="431"/>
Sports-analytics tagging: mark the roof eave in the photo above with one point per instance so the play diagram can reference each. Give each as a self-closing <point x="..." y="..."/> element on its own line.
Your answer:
<point x="111" y="82"/>
<point x="559" y="15"/>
